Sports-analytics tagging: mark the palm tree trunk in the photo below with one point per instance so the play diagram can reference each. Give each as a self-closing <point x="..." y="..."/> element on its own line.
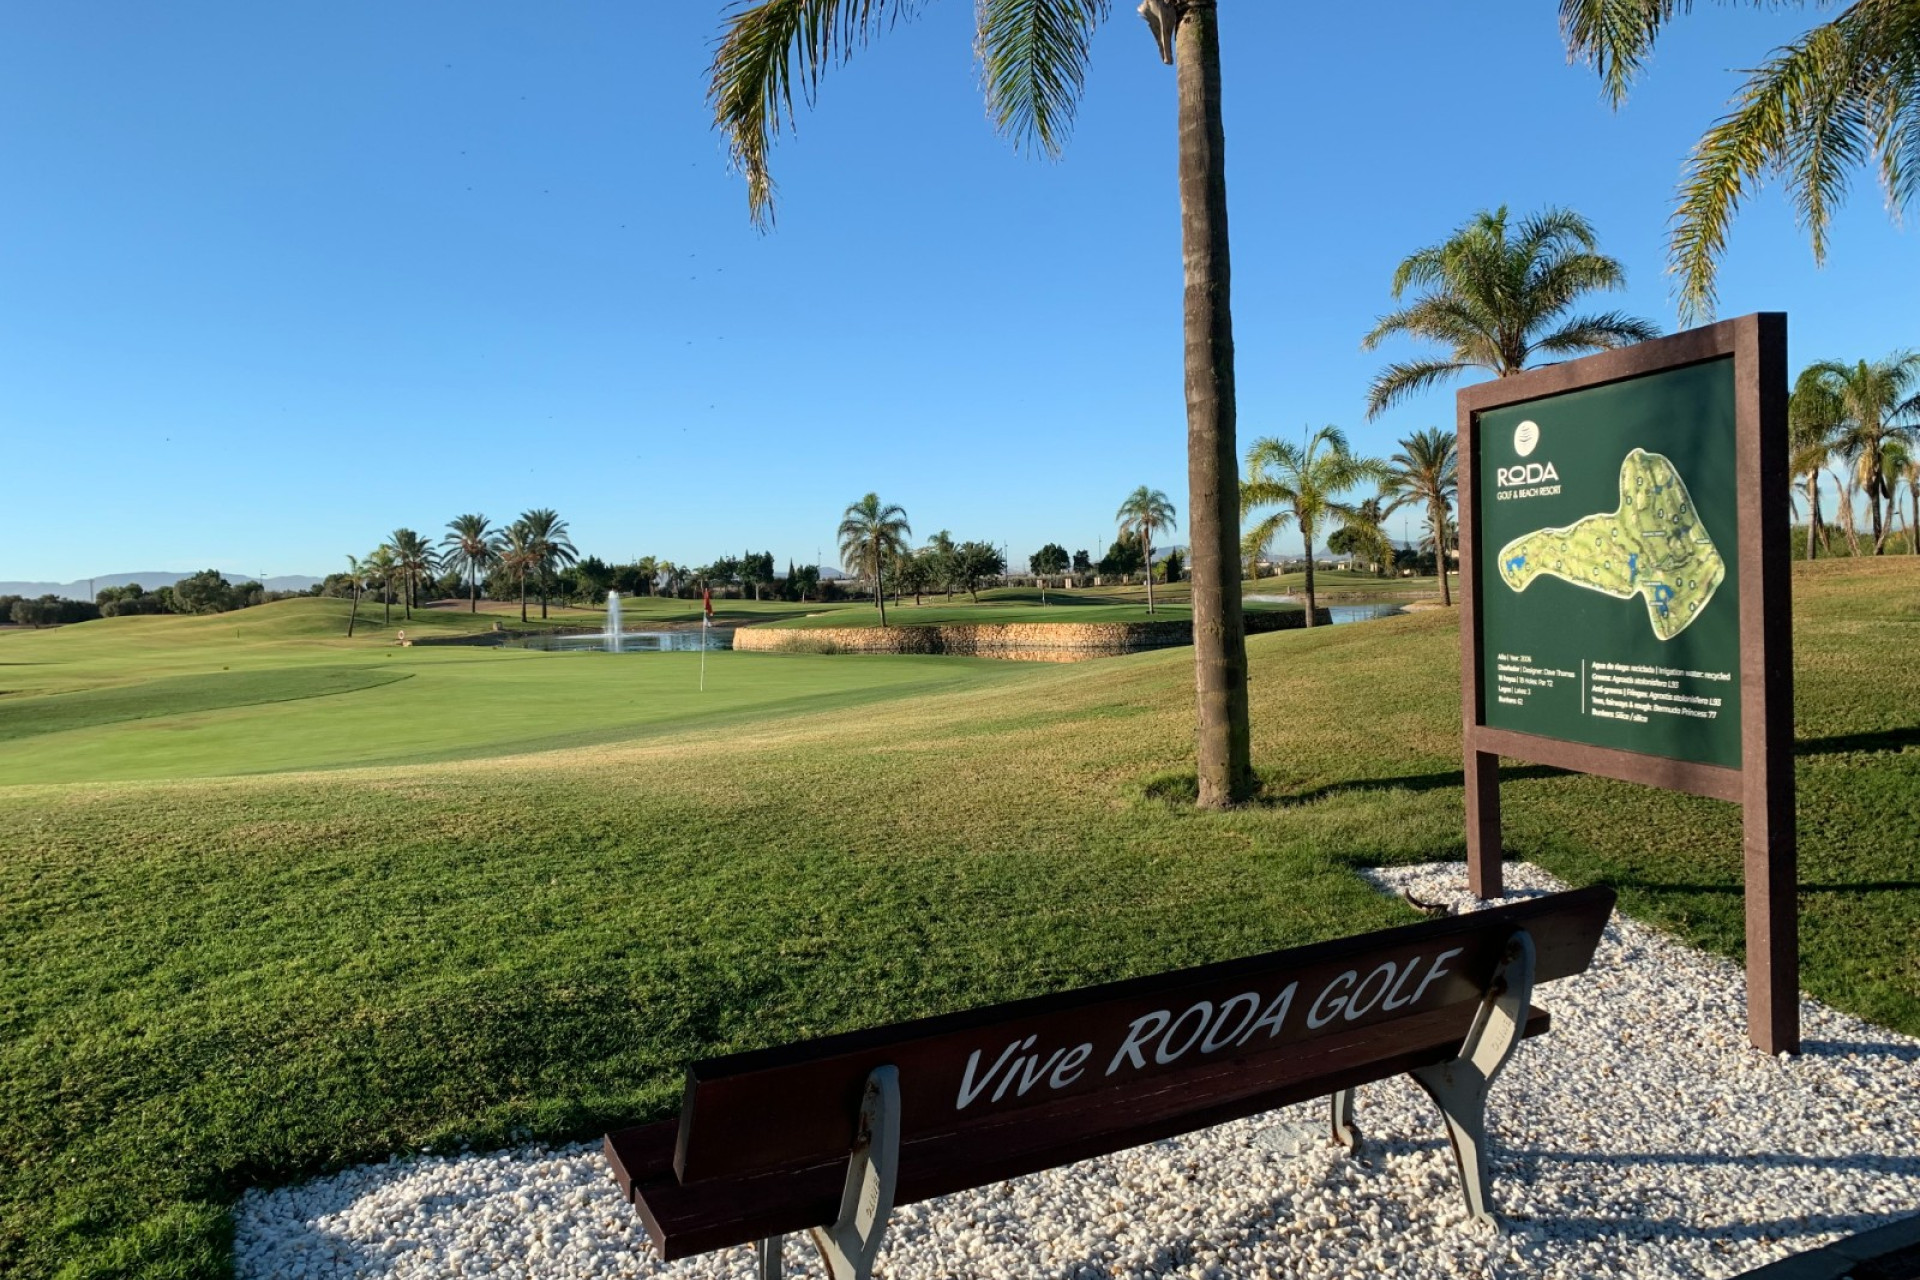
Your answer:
<point x="1880" y="527"/>
<point x="523" y="597"/>
<point x="1224" y="738"/>
<point x="1438" y="518"/>
<point x="1813" y="511"/>
<point x="1307" y="538"/>
<point x="353" y="615"/>
<point x="880" y="595"/>
<point x="473" y="588"/>
<point x="1147" y="541"/>
<point x="1845" y="505"/>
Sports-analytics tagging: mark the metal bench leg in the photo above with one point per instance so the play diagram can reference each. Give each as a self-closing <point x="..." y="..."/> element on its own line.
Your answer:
<point x="1460" y="1087"/>
<point x="1344" y="1132"/>
<point x="850" y="1246"/>
<point x="766" y="1255"/>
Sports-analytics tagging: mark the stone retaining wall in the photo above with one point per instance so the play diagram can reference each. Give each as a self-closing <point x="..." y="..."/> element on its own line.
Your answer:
<point x="1000" y="639"/>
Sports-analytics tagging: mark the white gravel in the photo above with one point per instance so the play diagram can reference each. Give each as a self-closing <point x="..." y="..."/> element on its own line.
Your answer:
<point x="1642" y="1137"/>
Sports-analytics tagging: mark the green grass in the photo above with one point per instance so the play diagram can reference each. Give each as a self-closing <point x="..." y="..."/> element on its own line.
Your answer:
<point x="212" y="982"/>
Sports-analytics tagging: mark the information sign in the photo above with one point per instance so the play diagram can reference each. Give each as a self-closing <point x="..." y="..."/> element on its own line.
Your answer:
<point x="1624" y="586"/>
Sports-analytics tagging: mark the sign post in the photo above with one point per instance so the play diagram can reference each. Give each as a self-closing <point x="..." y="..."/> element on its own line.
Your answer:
<point x="1624" y="587"/>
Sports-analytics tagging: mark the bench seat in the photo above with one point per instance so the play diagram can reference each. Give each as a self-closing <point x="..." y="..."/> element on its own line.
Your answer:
<point x="686" y="1220"/>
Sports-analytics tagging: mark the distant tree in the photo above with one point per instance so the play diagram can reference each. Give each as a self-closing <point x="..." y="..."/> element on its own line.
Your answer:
<point x="756" y="570"/>
<point x="1497" y="302"/>
<point x="547" y="535"/>
<point x="804" y="581"/>
<point x="473" y="544"/>
<point x="1872" y="397"/>
<point x="417" y="564"/>
<point x="912" y="573"/>
<point x="593" y="578"/>
<point x="31" y="613"/>
<point x="939" y="552"/>
<point x="1173" y="565"/>
<point x="1082" y="562"/>
<point x="356" y="578"/>
<point x="383" y="567"/>
<point x="1816" y="424"/>
<point x="1426" y="473"/>
<point x="975" y="563"/>
<point x="1145" y="512"/>
<point x="204" y="592"/>
<point x="1122" y="558"/>
<point x="1304" y="481"/>
<point x="871" y="533"/>
<point x="520" y="557"/>
<point x="1050" y="560"/>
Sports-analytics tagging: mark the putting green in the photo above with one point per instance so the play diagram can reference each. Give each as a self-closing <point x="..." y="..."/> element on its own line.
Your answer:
<point x="149" y="698"/>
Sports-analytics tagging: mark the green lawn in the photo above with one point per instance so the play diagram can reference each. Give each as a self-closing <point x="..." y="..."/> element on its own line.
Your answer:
<point x="210" y="982"/>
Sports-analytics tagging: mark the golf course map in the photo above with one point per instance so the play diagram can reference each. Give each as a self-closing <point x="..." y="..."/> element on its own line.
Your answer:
<point x="1652" y="545"/>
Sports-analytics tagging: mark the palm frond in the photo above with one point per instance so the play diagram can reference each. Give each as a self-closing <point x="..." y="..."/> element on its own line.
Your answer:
<point x="1614" y="36"/>
<point x="1033" y="62"/>
<point x="766" y="49"/>
<point x="1404" y="378"/>
<point x="1603" y="332"/>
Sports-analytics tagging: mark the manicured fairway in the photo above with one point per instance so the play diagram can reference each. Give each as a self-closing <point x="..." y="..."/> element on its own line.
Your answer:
<point x="273" y="702"/>
<point x="212" y="982"/>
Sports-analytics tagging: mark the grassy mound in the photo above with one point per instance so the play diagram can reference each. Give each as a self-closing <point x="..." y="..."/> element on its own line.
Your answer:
<point x="214" y="982"/>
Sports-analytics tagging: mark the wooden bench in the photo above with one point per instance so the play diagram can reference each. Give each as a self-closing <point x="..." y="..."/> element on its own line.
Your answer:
<point x="827" y="1136"/>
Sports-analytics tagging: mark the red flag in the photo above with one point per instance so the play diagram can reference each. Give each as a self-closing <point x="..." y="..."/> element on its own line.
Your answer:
<point x="706" y="597"/>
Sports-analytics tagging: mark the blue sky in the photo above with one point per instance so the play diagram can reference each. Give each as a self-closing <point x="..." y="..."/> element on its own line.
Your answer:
<point x="275" y="280"/>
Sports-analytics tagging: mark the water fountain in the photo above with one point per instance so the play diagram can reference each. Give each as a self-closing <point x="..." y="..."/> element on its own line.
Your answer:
<point x="613" y="622"/>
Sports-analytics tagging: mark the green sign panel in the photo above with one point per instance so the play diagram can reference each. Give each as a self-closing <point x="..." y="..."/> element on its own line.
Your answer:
<point x="1609" y="583"/>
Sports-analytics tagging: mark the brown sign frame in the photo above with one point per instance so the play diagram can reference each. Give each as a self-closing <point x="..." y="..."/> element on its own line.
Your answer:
<point x="1763" y="785"/>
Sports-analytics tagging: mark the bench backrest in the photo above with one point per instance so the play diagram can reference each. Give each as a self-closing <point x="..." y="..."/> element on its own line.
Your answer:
<point x="1132" y="1059"/>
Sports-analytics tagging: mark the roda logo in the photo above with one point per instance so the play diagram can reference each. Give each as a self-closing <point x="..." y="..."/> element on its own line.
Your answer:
<point x="1529" y="473"/>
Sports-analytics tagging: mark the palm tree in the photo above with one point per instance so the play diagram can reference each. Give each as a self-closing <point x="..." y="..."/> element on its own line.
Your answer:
<point x="1304" y="481"/>
<point x="356" y="575"/>
<point x="1870" y="396"/>
<point x="472" y="544"/>
<point x="553" y="552"/>
<point x="1902" y="467"/>
<point x="871" y="534"/>
<point x="1499" y="301"/>
<point x="1033" y="56"/>
<point x="519" y="554"/>
<point x="417" y="562"/>
<point x="1427" y="471"/>
<point x="1145" y="511"/>
<point x="940" y="550"/>
<point x="383" y="566"/>
<point x="1365" y="528"/>
<point x="1838" y="97"/>
<point x="1815" y="421"/>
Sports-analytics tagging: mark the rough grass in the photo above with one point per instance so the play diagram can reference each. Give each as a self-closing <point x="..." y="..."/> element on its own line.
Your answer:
<point x="215" y="982"/>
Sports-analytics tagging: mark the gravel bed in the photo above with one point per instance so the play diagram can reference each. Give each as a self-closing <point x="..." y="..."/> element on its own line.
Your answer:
<point x="1642" y="1137"/>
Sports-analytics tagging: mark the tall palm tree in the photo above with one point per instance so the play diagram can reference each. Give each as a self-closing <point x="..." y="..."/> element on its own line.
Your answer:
<point x="417" y="563"/>
<point x="383" y="566"/>
<point x="472" y="544"/>
<point x="1902" y="467"/>
<point x="1033" y="56"/>
<point x="1872" y="397"/>
<point x="357" y="576"/>
<point x="1498" y="297"/>
<point x="1815" y="423"/>
<point x="871" y="533"/>
<point x="1366" y="528"/>
<point x="520" y="555"/>
<point x="1426" y="471"/>
<point x="1304" y="481"/>
<point x="1145" y="512"/>
<point x="553" y="550"/>
<point x="1840" y="96"/>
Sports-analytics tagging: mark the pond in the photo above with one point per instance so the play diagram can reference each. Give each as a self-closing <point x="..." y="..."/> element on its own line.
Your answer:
<point x="1360" y="611"/>
<point x="687" y="641"/>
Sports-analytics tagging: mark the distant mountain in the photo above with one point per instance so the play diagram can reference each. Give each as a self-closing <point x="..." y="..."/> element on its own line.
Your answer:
<point x="151" y="579"/>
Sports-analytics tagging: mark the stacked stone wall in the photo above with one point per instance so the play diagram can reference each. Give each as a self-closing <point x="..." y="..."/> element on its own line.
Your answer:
<point x="999" y="639"/>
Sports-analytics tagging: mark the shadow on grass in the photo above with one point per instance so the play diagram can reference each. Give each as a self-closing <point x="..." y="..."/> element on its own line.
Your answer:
<point x="1881" y="740"/>
<point x="1179" y="788"/>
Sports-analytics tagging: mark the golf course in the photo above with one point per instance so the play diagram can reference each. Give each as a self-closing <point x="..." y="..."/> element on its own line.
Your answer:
<point x="277" y="902"/>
